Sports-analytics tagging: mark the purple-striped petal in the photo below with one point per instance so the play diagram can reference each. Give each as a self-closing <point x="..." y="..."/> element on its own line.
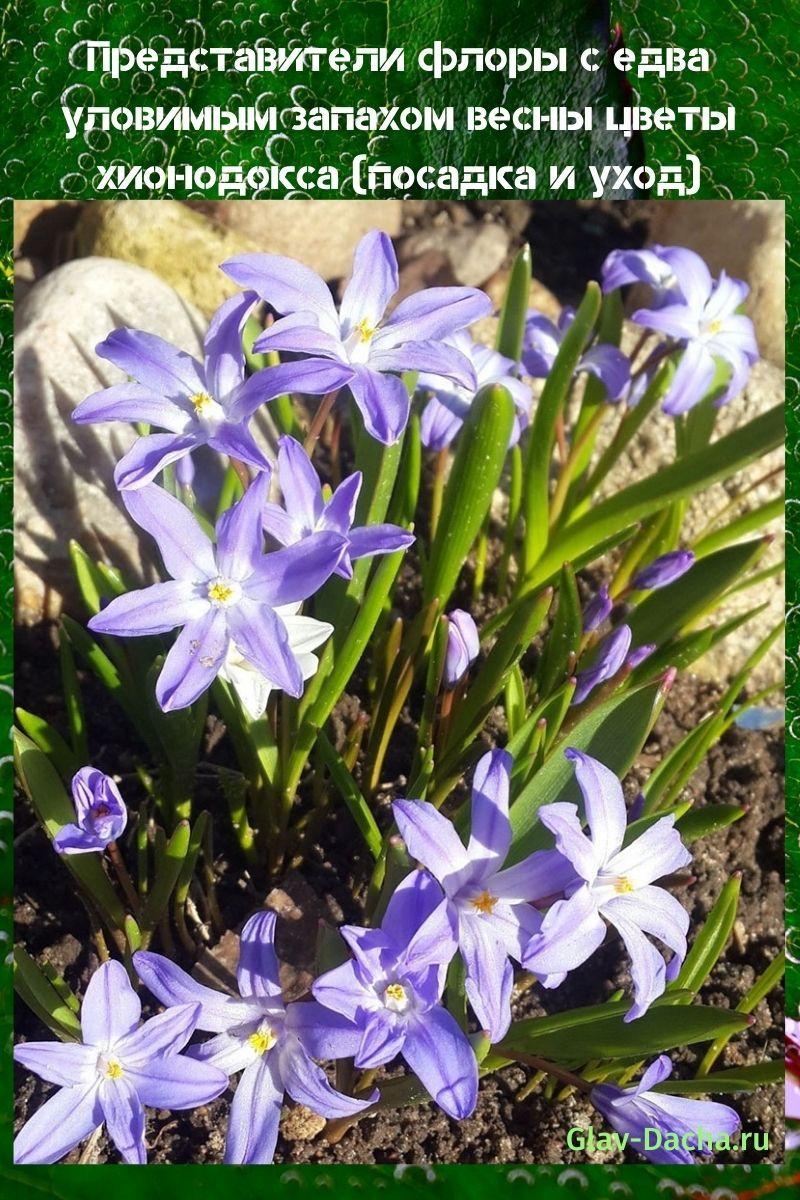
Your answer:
<point x="166" y="1033"/>
<point x="285" y="284"/>
<point x="609" y="659"/>
<point x="692" y="379"/>
<point x="564" y="823"/>
<point x="648" y="970"/>
<point x="224" y="353"/>
<point x="176" y="1082"/>
<point x="311" y="377"/>
<point x="383" y="403"/>
<point x="382" y="1039"/>
<point x="674" y="320"/>
<point x="131" y="402"/>
<point x="279" y="525"/>
<point x="440" y="422"/>
<point x="154" y="363"/>
<point x="69" y="1064"/>
<point x="490" y="829"/>
<point x="149" y="455"/>
<point x="372" y="284"/>
<point x="296" y="572"/>
<point x="255" y="1114"/>
<point x="193" y="661"/>
<point x="154" y="609"/>
<point x="261" y="638"/>
<point x="60" y="1124"/>
<point x="542" y="874"/>
<point x="431" y="839"/>
<point x="439" y="1054"/>
<point x="656" y="852"/>
<point x="377" y="539"/>
<point x="571" y="932"/>
<point x="172" y="986"/>
<point x="240" y="532"/>
<point x="603" y="802"/>
<point x="300" y="333"/>
<point x="186" y="551"/>
<point x="657" y="912"/>
<point x="124" y="1116"/>
<point x="322" y="1032"/>
<point x="300" y="485"/>
<point x="339" y="513"/>
<point x="342" y="990"/>
<point x="237" y="442"/>
<point x="434" y="313"/>
<point x="433" y="357"/>
<point x="490" y="976"/>
<point x="413" y="901"/>
<point x="307" y="1084"/>
<point x="610" y="366"/>
<point x="110" y="1006"/>
<point x="257" y="973"/>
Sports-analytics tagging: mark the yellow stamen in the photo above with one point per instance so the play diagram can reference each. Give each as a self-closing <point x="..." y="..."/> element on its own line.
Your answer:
<point x="220" y="592"/>
<point x="113" y="1069"/>
<point x="623" y="885"/>
<point x="365" y="330"/>
<point x="715" y="327"/>
<point x="396" y="991"/>
<point x="485" y="902"/>
<point x="201" y="402"/>
<point x="262" y="1040"/>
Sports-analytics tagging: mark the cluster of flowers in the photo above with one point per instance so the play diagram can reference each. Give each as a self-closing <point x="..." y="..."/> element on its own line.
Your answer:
<point x="547" y="912"/>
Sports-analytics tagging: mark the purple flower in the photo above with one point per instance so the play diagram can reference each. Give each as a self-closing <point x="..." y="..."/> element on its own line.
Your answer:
<point x="640" y="654"/>
<point x="222" y="594"/>
<point x="542" y="342"/>
<point x="633" y="1111"/>
<point x="792" y="1061"/>
<point x="612" y="883"/>
<point x="307" y="512"/>
<point x="449" y="404"/>
<point x="358" y="334"/>
<point x="391" y="991"/>
<point x="463" y="646"/>
<point x="208" y="403"/>
<point x="119" y="1068"/>
<point x="664" y="570"/>
<point x="597" y="610"/>
<point x="609" y="659"/>
<point x="270" y="1042"/>
<point x="671" y="271"/>
<point x="701" y="315"/>
<point x="100" y="811"/>
<point x="488" y="906"/>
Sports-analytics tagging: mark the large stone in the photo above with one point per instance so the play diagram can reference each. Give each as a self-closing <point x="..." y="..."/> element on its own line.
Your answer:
<point x="475" y="251"/>
<point x="64" y="472"/>
<point x="167" y="238"/>
<point x="321" y="233"/>
<point x="746" y="238"/>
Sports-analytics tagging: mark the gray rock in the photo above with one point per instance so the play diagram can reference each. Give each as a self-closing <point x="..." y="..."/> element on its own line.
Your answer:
<point x="64" y="472"/>
<point x="476" y="251"/>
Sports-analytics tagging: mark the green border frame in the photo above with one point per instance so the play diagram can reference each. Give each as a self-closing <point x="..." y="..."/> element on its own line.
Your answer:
<point x="756" y="69"/>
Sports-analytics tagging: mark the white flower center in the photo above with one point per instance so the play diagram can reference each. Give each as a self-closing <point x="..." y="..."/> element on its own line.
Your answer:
<point x="207" y="411"/>
<point x="484" y="903"/>
<point x="223" y="592"/>
<point x="396" y="998"/>
<point x="357" y="341"/>
<point x="263" y="1039"/>
<point x="109" y="1067"/>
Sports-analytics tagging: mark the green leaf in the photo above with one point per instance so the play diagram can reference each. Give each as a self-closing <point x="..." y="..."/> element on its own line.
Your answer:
<point x="50" y="741"/>
<point x="54" y="809"/>
<point x="583" y="1034"/>
<point x="168" y="869"/>
<point x="42" y="997"/>
<point x="614" y="733"/>
<point x="511" y="326"/>
<point x="747" y="522"/>
<point x="348" y="789"/>
<point x="679" y="480"/>
<point x="767" y="980"/>
<point x="514" y="700"/>
<point x="737" y="1079"/>
<point x="564" y="637"/>
<point x="700" y="822"/>
<point x="542" y="436"/>
<point x="477" y="466"/>
<point x="710" y="942"/>
<point x="668" y="610"/>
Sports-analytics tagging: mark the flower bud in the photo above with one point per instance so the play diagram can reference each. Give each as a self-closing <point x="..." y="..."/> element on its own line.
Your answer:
<point x="664" y="570"/>
<point x="463" y="646"/>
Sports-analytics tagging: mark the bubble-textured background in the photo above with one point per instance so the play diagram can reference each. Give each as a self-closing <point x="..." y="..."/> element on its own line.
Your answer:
<point x="755" y="68"/>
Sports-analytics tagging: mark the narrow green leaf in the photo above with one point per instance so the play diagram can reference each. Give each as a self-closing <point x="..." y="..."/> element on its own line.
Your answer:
<point x="767" y="980"/>
<point x="51" y="742"/>
<point x="710" y="942"/>
<point x="42" y="997"/>
<point x="71" y="690"/>
<point x="747" y="522"/>
<point x="168" y="869"/>
<point x="347" y="788"/>
<point x="514" y="699"/>
<point x="480" y="453"/>
<point x="511" y="326"/>
<point x="737" y="1079"/>
<point x="700" y="822"/>
<point x="564" y="637"/>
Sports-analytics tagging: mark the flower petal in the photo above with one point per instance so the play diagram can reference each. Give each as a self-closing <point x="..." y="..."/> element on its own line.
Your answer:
<point x="240" y="532"/>
<point x="300" y="485"/>
<point x="257" y="973"/>
<point x="69" y="1064"/>
<point x="657" y="912"/>
<point x="372" y="284"/>
<point x="433" y="357"/>
<point x="300" y="333"/>
<point x="64" y="1120"/>
<point x="441" y="422"/>
<point x="383" y="402"/>
<point x="255" y="1114"/>
<point x="307" y="1084"/>
<point x="154" y="609"/>
<point x="432" y="840"/>
<point x="287" y="285"/>
<point x="237" y="442"/>
<point x="322" y="1032"/>
<point x="342" y="990"/>
<point x="542" y="874"/>
<point x="382" y="1039"/>
<point x="193" y="661"/>
<point x="296" y="572"/>
<point x="610" y="366"/>
<point x="149" y="455"/>
<point x="134" y="403"/>
<point x="175" y="1082"/>
<point x="185" y="549"/>
<point x="441" y="1057"/>
<point x="124" y="1114"/>
<point x="171" y="985"/>
<point x="224" y="353"/>
<point x="279" y="525"/>
<point x="490" y="976"/>
<point x="228" y="1052"/>
<point x="490" y="829"/>
<point x="648" y="971"/>
<point x="434" y="313"/>
<point x="656" y="852"/>
<point x="260" y="636"/>
<point x="675" y="320"/>
<point x="603" y="802"/>
<point x="166" y="1033"/>
<point x="309" y="377"/>
<point x="339" y="513"/>
<point x="110" y="1006"/>
<point x="691" y="381"/>
<point x="377" y="539"/>
<point x="571" y="932"/>
<point x="154" y="363"/>
<point x="563" y="822"/>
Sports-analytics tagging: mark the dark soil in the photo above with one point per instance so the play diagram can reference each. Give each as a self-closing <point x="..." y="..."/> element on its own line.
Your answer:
<point x="745" y="768"/>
